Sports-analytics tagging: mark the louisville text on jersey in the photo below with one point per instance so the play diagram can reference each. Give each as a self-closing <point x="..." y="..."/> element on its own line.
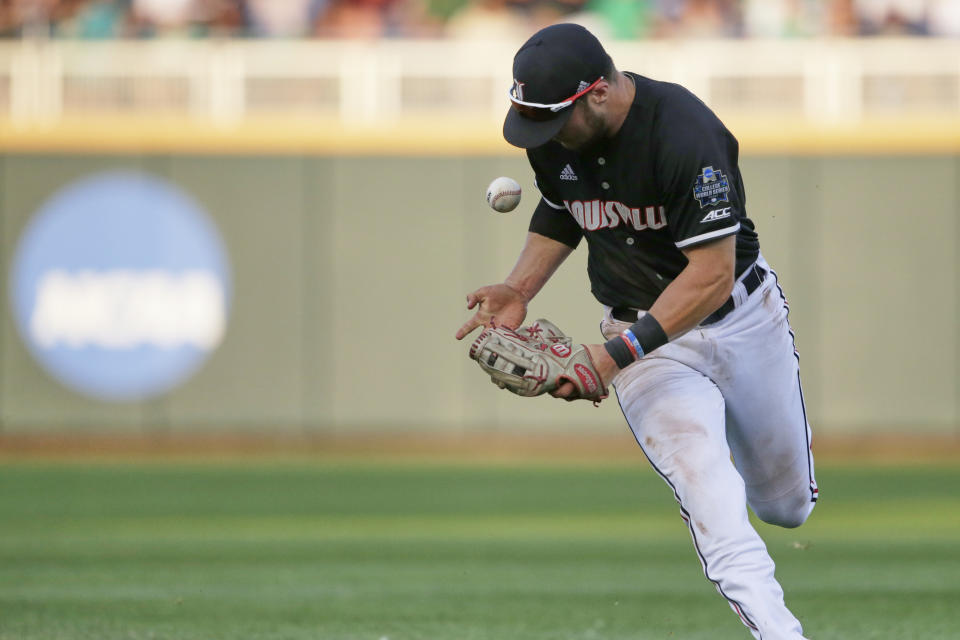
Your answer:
<point x="603" y="214"/>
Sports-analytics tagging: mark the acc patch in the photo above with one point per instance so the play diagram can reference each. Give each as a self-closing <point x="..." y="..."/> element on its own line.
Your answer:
<point x="711" y="188"/>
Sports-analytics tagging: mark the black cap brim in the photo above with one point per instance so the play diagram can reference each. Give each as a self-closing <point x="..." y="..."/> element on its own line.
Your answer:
<point x="529" y="134"/>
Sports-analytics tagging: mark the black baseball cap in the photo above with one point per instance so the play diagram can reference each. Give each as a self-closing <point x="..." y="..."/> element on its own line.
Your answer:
<point x="557" y="65"/>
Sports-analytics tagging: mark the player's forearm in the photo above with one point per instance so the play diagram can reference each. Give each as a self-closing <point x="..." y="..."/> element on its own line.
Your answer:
<point x="700" y="289"/>
<point x="691" y="297"/>
<point x="538" y="261"/>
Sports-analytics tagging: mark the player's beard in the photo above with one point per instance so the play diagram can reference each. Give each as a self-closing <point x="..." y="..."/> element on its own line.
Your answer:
<point x="593" y="131"/>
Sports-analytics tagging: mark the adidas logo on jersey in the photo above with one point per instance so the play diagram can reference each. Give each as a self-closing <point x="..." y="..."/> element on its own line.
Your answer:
<point x="568" y="174"/>
<point x="716" y="214"/>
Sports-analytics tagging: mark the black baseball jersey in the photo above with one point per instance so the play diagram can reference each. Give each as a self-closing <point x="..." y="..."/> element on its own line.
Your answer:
<point x="667" y="181"/>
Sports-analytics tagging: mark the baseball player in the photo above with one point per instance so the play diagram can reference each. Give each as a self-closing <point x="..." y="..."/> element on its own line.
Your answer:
<point x="698" y="348"/>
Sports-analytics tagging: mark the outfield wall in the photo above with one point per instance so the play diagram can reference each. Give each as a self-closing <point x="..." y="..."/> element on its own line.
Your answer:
<point x="349" y="275"/>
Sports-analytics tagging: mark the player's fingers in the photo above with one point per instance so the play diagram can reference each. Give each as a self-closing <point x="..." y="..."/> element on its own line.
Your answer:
<point x="567" y="390"/>
<point x="468" y="327"/>
<point x="476" y="297"/>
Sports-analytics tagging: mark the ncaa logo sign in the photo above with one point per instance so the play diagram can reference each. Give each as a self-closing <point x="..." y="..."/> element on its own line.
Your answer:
<point x="120" y="286"/>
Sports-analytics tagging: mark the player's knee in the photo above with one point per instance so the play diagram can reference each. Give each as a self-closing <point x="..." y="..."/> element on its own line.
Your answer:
<point x="789" y="512"/>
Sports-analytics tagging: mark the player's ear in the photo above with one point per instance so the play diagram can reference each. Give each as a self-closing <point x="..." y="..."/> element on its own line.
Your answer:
<point x="600" y="93"/>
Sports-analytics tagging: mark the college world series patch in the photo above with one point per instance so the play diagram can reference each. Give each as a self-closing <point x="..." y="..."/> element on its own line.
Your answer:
<point x="711" y="188"/>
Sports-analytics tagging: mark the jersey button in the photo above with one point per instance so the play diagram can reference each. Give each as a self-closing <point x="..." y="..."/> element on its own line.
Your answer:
<point x="605" y="185"/>
<point x="601" y="161"/>
<point x="630" y="241"/>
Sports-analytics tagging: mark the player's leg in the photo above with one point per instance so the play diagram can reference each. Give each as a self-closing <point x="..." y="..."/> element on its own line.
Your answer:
<point x="767" y="426"/>
<point x="677" y="417"/>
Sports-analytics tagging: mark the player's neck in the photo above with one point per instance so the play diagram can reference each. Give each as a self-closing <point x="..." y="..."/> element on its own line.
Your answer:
<point x="621" y="99"/>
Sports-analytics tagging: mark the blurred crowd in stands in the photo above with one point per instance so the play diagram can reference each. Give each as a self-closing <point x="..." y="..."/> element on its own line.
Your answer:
<point x="487" y="19"/>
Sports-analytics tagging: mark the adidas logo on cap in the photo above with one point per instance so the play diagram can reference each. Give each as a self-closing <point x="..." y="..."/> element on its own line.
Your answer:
<point x="568" y="174"/>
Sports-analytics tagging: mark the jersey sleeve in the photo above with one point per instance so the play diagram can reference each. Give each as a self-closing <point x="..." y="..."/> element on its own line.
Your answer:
<point x="698" y="172"/>
<point x="551" y="218"/>
<point x="556" y="224"/>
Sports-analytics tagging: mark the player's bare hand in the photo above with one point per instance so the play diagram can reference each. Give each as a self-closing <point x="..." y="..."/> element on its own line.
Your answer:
<point x="498" y="304"/>
<point x="567" y="390"/>
<point x="604" y="365"/>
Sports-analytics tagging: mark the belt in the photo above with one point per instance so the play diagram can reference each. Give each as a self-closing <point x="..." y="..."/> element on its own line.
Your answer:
<point x="753" y="279"/>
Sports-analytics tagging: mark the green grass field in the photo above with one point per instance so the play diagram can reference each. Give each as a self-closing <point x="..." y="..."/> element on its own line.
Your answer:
<point x="367" y="550"/>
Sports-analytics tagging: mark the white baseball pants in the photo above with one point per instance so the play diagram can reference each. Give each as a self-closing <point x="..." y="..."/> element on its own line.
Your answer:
<point x="732" y="387"/>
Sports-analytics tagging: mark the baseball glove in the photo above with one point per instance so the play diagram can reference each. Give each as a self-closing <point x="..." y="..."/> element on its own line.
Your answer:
<point x="536" y="359"/>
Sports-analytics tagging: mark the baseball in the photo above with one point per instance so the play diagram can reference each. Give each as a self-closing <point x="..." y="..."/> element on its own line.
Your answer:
<point x="503" y="194"/>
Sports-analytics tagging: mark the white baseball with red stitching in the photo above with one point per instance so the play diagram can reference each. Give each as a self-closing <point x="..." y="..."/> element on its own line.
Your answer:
<point x="503" y="194"/>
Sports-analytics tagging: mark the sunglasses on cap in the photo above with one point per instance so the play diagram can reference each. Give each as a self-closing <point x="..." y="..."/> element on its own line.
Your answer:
<point x="538" y="111"/>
